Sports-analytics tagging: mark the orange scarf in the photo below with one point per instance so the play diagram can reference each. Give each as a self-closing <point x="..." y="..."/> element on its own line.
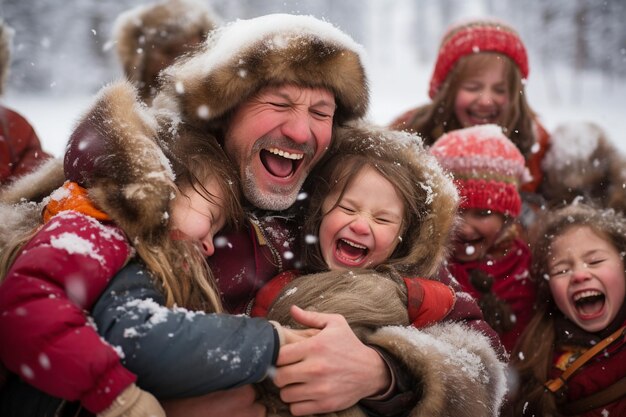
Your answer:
<point x="74" y="198"/>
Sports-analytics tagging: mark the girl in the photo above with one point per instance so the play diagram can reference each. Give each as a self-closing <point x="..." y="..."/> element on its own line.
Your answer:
<point x="400" y="229"/>
<point x="66" y="264"/>
<point x="488" y="258"/>
<point x="478" y="79"/>
<point x="571" y="359"/>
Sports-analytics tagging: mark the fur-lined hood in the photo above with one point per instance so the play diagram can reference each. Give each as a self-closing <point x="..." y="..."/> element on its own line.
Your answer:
<point x="163" y="23"/>
<point x="424" y="246"/>
<point x="6" y="34"/>
<point x="238" y="59"/>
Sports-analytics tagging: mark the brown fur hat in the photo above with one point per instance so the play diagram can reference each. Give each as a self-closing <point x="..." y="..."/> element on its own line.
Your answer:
<point x="6" y="34"/>
<point x="163" y="23"/>
<point x="113" y="152"/>
<point x="242" y="57"/>
<point x="582" y="162"/>
<point x="424" y="244"/>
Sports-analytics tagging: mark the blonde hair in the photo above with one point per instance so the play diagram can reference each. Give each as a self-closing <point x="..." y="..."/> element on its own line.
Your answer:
<point x="438" y="117"/>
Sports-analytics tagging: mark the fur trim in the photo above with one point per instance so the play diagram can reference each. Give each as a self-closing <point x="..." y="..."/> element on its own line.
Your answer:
<point x="595" y="171"/>
<point x="18" y="220"/>
<point x="6" y="35"/>
<point x="35" y="185"/>
<point x="113" y="153"/>
<point x="239" y="59"/>
<point x="160" y="24"/>
<point x="459" y="373"/>
<point x="427" y="244"/>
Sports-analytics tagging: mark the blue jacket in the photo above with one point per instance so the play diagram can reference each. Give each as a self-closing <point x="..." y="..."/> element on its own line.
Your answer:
<point x="176" y="352"/>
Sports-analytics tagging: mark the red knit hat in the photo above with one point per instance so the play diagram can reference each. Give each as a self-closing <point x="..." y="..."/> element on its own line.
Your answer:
<point x="473" y="37"/>
<point x="487" y="168"/>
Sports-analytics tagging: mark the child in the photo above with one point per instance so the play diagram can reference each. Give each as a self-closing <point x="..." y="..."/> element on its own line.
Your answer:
<point x="571" y="359"/>
<point x="150" y="37"/>
<point x="379" y="201"/>
<point x="61" y="353"/>
<point x="479" y="79"/>
<point x="488" y="258"/>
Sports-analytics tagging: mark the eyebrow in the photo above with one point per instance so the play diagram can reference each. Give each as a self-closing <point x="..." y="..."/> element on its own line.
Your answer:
<point x="320" y="102"/>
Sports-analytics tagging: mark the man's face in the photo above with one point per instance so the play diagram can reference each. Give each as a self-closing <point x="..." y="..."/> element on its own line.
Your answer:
<point x="275" y="138"/>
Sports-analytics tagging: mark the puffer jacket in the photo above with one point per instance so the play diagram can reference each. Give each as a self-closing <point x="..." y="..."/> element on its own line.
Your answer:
<point x="20" y="149"/>
<point x="48" y="340"/>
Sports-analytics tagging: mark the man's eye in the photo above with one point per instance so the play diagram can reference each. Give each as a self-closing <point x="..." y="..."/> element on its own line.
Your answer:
<point x="276" y="104"/>
<point x="321" y="115"/>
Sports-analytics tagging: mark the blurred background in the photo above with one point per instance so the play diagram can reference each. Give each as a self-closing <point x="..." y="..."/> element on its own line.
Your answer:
<point x="63" y="53"/>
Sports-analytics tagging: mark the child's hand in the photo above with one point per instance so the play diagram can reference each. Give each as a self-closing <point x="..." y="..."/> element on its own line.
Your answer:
<point x="134" y="402"/>
<point x="287" y="336"/>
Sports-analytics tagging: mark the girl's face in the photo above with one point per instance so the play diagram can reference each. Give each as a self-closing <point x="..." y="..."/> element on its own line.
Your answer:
<point x="196" y="218"/>
<point x="363" y="229"/>
<point x="587" y="278"/>
<point x="477" y="234"/>
<point x="483" y="97"/>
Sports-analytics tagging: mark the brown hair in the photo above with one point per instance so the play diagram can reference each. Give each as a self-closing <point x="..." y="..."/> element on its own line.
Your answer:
<point x="532" y="357"/>
<point x="414" y="174"/>
<point x="438" y="117"/>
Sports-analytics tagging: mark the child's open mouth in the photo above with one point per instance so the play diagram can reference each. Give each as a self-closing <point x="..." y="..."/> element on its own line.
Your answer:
<point x="280" y="163"/>
<point x="589" y="303"/>
<point x="350" y="252"/>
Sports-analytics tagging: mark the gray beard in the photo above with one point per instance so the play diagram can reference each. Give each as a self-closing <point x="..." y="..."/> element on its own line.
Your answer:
<point x="276" y="199"/>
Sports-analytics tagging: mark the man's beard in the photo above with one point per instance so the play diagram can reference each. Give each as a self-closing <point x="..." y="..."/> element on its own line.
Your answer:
<point x="275" y="199"/>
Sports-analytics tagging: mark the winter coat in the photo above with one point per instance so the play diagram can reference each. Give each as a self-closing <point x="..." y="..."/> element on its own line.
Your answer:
<point x="20" y="149"/>
<point x="428" y="301"/>
<point x="606" y="368"/>
<point x="176" y="352"/>
<point x="509" y="273"/>
<point x="48" y="339"/>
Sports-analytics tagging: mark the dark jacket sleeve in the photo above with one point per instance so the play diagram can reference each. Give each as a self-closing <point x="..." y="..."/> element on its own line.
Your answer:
<point x="176" y="352"/>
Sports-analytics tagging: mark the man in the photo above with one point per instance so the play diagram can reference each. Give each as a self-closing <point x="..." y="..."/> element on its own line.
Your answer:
<point x="271" y="90"/>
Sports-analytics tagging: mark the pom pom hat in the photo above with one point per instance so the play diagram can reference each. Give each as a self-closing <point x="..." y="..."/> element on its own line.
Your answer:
<point x="474" y="37"/>
<point x="487" y="168"/>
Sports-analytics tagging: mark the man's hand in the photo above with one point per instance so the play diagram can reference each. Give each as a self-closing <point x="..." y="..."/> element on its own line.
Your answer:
<point x="330" y="371"/>
<point x="238" y="402"/>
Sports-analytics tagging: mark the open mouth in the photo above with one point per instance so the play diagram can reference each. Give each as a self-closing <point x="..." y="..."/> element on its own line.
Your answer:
<point x="350" y="252"/>
<point x="483" y="117"/>
<point x="589" y="302"/>
<point x="280" y="163"/>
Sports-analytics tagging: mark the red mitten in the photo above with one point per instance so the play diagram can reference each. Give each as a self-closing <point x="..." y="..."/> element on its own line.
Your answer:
<point x="428" y="301"/>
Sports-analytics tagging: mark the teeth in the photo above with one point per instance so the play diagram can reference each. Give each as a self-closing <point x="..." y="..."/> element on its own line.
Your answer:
<point x="287" y="155"/>
<point x="584" y="294"/>
<point x="354" y="245"/>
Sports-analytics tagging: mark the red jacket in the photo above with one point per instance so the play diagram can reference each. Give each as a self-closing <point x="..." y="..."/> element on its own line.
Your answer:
<point x="20" y="150"/>
<point x="511" y="283"/>
<point x="603" y="370"/>
<point x="46" y="337"/>
<point x="428" y="301"/>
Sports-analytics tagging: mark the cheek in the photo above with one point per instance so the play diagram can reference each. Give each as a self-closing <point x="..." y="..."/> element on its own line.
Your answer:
<point x="323" y="134"/>
<point x="558" y="288"/>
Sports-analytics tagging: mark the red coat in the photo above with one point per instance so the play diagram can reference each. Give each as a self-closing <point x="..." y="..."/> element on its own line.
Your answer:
<point x="605" y="369"/>
<point x="46" y="338"/>
<point x="428" y="301"/>
<point x="20" y="150"/>
<point x="511" y="283"/>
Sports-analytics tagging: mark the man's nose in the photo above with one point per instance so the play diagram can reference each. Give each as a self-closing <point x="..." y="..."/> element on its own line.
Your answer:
<point x="298" y="127"/>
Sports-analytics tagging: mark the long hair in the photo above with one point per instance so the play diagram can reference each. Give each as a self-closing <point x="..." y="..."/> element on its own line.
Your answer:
<point x="179" y="266"/>
<point x="532" y="357"/>
<point x="438" y="117"/>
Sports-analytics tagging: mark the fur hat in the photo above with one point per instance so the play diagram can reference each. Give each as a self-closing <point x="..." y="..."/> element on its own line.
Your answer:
<point x="164" y="23"/>
<point x="6" y="35"/>
<point x="582" y="162"/>
<point x="240" y="58"/>
<point x="487" y="168"/>
<point x="424" y="244"/>
<point x="484" y="35"/>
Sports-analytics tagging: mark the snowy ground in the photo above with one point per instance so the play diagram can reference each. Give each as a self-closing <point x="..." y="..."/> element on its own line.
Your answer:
<point x="557" y="95"/>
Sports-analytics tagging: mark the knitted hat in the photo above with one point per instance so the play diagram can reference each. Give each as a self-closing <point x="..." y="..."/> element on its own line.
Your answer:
<point x="487" y="168"/>
<point x="244" y="56"/>
<point x="473" y="37"/>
